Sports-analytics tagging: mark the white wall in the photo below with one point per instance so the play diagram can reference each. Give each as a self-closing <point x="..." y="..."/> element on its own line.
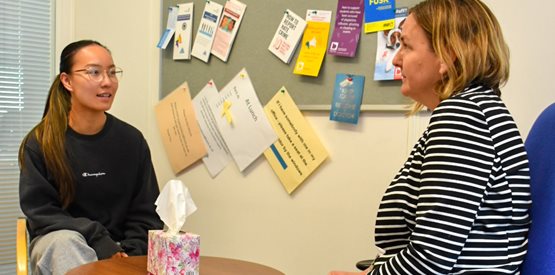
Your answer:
<point x="328" y="222"/>
<point x="531" y="87"/>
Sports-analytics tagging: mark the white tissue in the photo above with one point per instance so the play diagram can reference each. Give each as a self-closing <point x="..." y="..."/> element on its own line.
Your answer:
<point x="174" y="204"/>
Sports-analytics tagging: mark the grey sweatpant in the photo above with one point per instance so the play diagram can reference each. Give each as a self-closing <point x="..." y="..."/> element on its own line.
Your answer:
<point x="59" y="251"/>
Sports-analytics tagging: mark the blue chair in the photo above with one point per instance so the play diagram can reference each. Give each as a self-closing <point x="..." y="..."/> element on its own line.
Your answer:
<point x="540" y="146"/>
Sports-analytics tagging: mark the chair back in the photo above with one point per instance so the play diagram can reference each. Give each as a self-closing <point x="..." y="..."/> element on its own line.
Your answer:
<point x="540" y="146"/>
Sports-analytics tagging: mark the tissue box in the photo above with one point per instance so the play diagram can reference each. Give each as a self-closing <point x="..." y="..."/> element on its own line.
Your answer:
<point x="173" y="254"/>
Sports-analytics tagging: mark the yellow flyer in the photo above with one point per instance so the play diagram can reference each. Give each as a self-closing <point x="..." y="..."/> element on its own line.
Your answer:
<point x="314" y="43"/>
<point x="298" y="151"/>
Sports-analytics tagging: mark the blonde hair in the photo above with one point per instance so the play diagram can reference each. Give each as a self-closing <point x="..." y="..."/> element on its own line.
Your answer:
<point x="50" y="131"/>
<point x="467" y="38"/>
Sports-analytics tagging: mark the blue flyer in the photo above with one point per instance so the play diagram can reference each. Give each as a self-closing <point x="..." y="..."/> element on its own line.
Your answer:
<point x="379" y="15"/>
<point x="347" y="97"/>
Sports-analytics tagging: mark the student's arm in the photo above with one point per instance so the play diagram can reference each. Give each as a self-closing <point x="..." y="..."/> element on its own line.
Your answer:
<point x="142" y="215"/>
<point x="41" y="205"/>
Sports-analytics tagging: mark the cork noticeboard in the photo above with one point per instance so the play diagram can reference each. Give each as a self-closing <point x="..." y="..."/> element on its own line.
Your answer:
<point x="267" y="72"/>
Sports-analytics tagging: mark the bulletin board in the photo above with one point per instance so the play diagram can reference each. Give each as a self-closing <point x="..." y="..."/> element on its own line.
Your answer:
<point x="267" y="73"/>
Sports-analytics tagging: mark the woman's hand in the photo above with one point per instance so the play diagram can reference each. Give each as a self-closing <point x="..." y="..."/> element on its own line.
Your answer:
<point x="119" y="255"/>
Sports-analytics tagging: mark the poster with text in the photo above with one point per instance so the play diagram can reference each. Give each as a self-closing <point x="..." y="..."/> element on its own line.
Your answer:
<point x="298" y="151"/>
<point x="389" y="43"/>
<point x="347" y="30"/>
<point x="178" y="127"/>
<point x="241" y="120"/>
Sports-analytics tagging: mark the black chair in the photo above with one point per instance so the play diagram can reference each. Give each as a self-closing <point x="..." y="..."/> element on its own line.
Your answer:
<point x="364" y="264"/>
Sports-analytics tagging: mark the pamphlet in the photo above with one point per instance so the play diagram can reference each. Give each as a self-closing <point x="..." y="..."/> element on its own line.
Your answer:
<point x="347" y="97"/>
<point x="314" y="43"/>
<point x="183" y="32"/>
<point x="379" y="15"/>
<point x="170" y="29"/>
<point x="389" y="43"/>
<point x="227" y="29"/>
<point x="348" y="25"/>
<point x="206" y="31"/>
<point x="287" y="36"/>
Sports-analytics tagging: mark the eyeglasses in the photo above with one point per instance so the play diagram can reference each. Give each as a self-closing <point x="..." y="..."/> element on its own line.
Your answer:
<point x="96" y="73"/>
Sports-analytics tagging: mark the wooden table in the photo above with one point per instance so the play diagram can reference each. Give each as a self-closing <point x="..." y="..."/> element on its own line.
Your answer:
<point x="136" y="265"/>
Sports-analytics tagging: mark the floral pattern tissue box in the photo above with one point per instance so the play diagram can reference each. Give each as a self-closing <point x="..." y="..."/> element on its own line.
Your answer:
<point x="173" y="254"/>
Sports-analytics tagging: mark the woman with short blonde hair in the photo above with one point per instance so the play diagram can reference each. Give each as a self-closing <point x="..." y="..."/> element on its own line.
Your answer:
<point x="473" y="50"/>
<point x="460" y="203"/>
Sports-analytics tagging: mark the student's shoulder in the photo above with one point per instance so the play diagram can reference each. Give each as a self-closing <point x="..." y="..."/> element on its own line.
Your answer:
<point x="122" y="127"/>
<point x="30" y="142"/>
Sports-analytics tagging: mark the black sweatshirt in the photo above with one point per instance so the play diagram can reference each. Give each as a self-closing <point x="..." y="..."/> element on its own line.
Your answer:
<point x="115" y="190"/>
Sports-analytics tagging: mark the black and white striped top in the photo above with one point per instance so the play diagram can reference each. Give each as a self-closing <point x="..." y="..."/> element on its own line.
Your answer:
<point x="460" y="203"/>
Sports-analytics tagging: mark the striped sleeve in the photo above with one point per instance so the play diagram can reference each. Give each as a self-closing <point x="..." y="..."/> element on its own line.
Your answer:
<point x="447" y="176"/>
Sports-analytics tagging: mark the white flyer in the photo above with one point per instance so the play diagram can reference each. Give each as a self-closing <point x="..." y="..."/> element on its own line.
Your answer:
<point x="218" y="155"/>
<point x="207" y="30"/>
<point x="183" y="32"/>
<point x="170" y="29"/>
<point x="287" y="36"/>
<point x="227" y="29"/>
<point x="242" y="121"/>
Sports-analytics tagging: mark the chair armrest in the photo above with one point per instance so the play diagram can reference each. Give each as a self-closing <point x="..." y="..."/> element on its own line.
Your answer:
<point x="364" y="264"/>
<point x="21" y="247"/>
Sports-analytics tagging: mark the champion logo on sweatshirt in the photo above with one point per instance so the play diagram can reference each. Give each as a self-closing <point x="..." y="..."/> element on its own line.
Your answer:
<point x="96" y="175"/>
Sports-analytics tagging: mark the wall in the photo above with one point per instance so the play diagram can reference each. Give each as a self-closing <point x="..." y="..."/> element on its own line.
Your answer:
<point x="327" y="223"/>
